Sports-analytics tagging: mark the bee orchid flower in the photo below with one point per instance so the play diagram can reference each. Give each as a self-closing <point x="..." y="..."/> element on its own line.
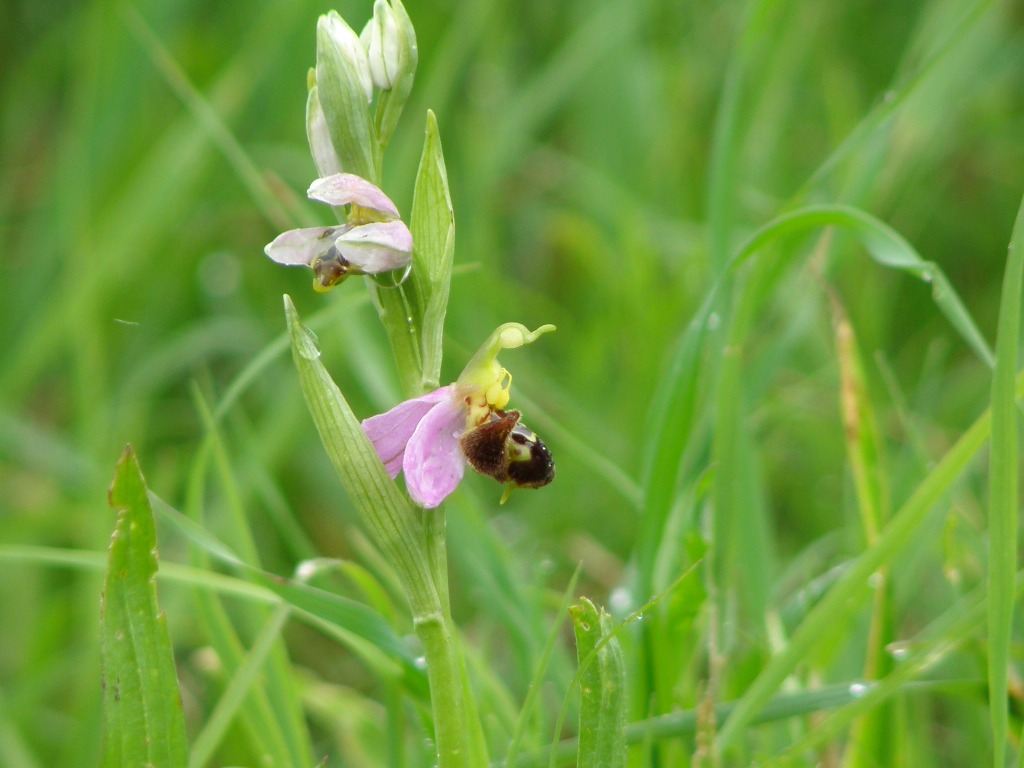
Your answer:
<point x="432" y="437"/>
<point x="372" y="240"/>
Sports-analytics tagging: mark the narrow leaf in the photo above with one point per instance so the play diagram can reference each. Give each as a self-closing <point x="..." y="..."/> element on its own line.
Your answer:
<point x="433" y="232"/>
<point x="1003" y="512"/>
<point x="872" y="736"/>
<point x="142" y="716"/>
<point x="382" y="507"/>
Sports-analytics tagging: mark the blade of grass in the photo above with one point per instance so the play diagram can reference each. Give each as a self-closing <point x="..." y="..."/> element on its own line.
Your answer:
<point x="872" y="737"/>
<point x="853" y="584"/>
<point x="781" y="707"/>
<point x="931" y="645"/>
<point x="242" y="682"/>
<point x="540" y="671"/>
<point x="278" y="679"/>
<point x="1003" y="479"/>
<point x="887" y="247"/>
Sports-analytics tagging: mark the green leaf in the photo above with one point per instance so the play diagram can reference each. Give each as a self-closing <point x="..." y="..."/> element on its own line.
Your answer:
<point x="397" y="529"/>
<point x="390" y="519"/>
<point x="433" y="233"/>
<point x="142" y="716"/>
<point x="602" y="740"/>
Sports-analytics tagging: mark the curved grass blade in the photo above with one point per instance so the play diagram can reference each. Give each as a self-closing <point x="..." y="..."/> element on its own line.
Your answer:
<point x="887" y="247"/>
<point x="142" y="716"/>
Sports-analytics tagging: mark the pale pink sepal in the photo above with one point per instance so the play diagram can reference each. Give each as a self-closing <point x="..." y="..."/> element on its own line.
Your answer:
<point x="390" y="432"/>
<point x="434" y="463"/>
<point x="346" y="188"/>
<point x="301" y="246"/>
<point x="376" y="247"/>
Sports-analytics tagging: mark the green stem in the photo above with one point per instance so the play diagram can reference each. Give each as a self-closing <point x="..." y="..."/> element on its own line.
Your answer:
<point x="434" y="630"/>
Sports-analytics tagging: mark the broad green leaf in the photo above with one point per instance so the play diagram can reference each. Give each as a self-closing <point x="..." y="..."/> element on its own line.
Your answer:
<point x="602" y="739"/>
<point x="142" y="716"/>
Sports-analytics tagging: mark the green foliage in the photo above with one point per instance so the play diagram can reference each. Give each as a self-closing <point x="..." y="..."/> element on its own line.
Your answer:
<point x="773" y="238"/>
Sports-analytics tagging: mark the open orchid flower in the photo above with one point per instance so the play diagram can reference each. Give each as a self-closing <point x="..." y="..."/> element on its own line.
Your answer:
<point x="432" y="437"/>
<point x="372" y="240"/>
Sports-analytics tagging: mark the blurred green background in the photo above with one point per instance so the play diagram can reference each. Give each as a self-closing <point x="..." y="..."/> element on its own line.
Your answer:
<point x="138" y="145"/>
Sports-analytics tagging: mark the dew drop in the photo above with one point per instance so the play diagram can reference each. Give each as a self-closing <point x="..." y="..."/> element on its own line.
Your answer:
<point x="309" y="347"/>
<point x="898" y="650"/>
<point x="857" y="690"/>
<point x="620" y="600"/>
<point x="306" y="570"/>
<point x="420" y="662"/>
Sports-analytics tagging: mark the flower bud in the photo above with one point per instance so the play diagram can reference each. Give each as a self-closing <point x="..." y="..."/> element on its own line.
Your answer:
<point x="334" y="33"/>
<point x="385" y="49"/>
<point x="390" y="42"/>
<point x="324" y="157"/>
<point x="344" y="88"/>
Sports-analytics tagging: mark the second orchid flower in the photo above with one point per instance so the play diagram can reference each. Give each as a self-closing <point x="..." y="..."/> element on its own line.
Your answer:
<point x="372" y="240"/>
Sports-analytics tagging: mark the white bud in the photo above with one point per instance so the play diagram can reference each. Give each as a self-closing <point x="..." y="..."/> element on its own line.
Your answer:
<point x="382" y="39"/>
<point x="350" y="49"/>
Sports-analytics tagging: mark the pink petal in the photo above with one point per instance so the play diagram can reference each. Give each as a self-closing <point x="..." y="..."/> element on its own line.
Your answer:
<point x="301" y="246"/>
<point x="433" y="462"/>
<point x="390" y="432"/>
<point x="344" y="188"/>
<point x="376" y="247"/>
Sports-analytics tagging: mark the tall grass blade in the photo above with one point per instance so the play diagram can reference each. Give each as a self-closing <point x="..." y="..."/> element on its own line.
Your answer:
<point x="872" y="738"/>
<point x="852" y="585"/>
<point x="1003" y="479"/>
